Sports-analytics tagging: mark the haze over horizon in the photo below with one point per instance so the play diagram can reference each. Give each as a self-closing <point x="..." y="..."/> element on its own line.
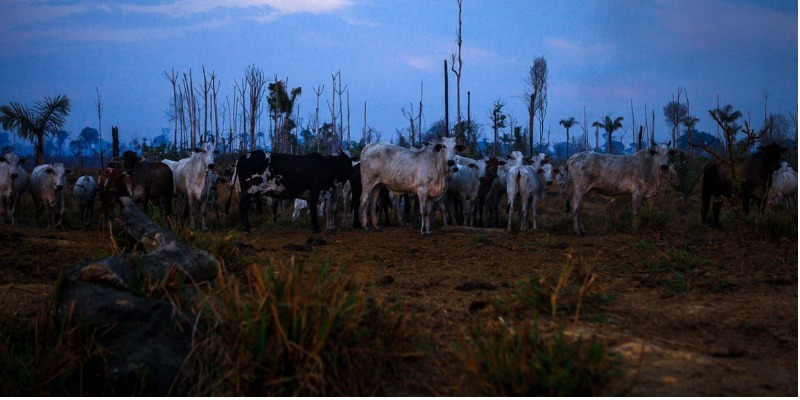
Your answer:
<point x="601" y="55"/>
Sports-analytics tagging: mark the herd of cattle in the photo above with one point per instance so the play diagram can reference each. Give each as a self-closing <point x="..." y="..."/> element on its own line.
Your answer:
<point x="426" y="179"/>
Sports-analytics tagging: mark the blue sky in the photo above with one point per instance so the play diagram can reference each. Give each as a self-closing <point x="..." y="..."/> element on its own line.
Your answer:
<point x="601" y="55"/>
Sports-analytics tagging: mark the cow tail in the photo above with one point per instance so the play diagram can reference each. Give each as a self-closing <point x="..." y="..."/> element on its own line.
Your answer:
<point x="230" y="195"/>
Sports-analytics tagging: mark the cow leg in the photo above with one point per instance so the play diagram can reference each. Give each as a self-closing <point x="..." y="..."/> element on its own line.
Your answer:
<point x="746" y="204"/>
<point x="312" y="210"/>
<point x="426" y="207"/>
<point x="330" y="210"/>
<point x="716" y="210"/>
<point x="363" y="208"/>
<point x="577" y="203"/>
<point x="534" y="206"/>
<point x="510" y="209"/>
<point x="636" y="204"/>
<point x="374" y="198"/>
<point x="244" y="211"/>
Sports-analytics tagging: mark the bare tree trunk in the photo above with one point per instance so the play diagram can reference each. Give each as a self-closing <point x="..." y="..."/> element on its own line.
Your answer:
<point x="205" y="104"/>
<point x="419" y="118"/>
<point x="446" y="103"/>
<point x="172" y="77"/>
<point x="531" y="112"/>
<point x="348" y="120"/>
<point x="457" y="72"/>
<point x="318" y="91"/>
<point x="469" y="115"/>
<point x="99" y="105"/>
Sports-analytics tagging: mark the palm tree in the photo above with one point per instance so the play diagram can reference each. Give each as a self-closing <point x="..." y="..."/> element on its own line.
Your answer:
<point x="689" y="122"/>
<point x="568" y="123"/>
<point x="33" y="124"/>
<point x="609" y="126"/>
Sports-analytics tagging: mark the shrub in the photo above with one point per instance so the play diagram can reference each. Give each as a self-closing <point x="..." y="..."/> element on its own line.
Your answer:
<point x="774" y="224"/>
<point x="522" y="359"/>
<point x="296" y="333"/>
<point x="676" y="268"/>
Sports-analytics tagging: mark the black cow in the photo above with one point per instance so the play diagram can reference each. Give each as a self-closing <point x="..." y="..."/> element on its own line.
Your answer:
<point x="755" y="174"/>
<point x="287" y="176"/>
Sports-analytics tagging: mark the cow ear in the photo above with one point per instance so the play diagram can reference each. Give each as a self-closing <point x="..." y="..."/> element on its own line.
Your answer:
<point x="501" y="163"/>
<point x="437" y="148"/>
<point x="50" y="171"/>
<point x="540" y="171"/>
<point x="653" y="152"/>
<point x="461" y="148"/>
<point x="672" y="152"/>
<point x="3" y="159"/>
<point x="508" y="156"/>
<point x="23" y="160"/>
<point x="472" y="165"/>
<point x="67" y="171"/>
<point x="196" y="150"/>
<point x="545" y="161"/>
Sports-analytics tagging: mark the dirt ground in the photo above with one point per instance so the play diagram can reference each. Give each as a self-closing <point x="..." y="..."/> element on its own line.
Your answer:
<point x="728" y="329"/>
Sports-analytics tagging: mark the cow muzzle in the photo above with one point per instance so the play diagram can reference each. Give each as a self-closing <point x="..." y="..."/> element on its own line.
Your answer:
<point x="59" y="188"/>
<point x="664" y="168"/>
<point x="14" y="176"/>
<point x="450" y="163"/>
<point x="210" y="166"/>
<point x="549" y="183"/>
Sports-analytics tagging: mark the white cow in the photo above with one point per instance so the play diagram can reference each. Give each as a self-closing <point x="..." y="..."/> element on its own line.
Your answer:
<point x="784" y="185"/>
<point x="84" y="191"/>
<point x="19" y="185"/>
<point x="637" y="175"/>
<point x="420" y="172"/>
<point x="190" y="180"/>
<point x="47" y="189"/>
<point x="525" y="184"/>
<point x="463" y="188"/>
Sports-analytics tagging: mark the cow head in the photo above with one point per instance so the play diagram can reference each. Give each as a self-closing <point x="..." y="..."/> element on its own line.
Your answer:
<point x="14" y="161"/>
<point x="207" y="151"/>
<point x="548" y="173"/>
<point x="450" y="148"/>
<point x="772" y="155"/>
<point x="660" y="154"/>
<point x="111" y="184"/>
<point x="492" y="164"/>
<point x="128" y="160"/>
<point x="515" y="158"/>
<point x="343" y="165"/>
<point x="58" y="177"/>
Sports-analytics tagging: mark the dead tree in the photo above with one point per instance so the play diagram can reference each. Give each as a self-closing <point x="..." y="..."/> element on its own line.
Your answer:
<point x="419" y="117"/>
<point x="172" y="77"/>
<point x="317" y="91"/>
<point x="348" y="120"/>
<point x="114" y="141"/>
<point x="256" y="82"/>
<point x="446" y="103"/>
<point x="409" y="115"/>
<point x="457" y="72"/>
<point x="206" y="89"/>
<point x="214" y="91"/>
<point x="98" y="103"/>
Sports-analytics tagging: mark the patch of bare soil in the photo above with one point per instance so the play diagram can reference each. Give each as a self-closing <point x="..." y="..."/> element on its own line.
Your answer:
<point x="719" y="319"/>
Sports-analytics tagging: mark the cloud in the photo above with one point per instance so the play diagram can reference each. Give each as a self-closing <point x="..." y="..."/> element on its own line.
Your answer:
<point x="184" y="8"/>
<point x="568" y="47"/>
<point x="360" y="22"/>
<point x="122" y="35"/>
<point x="422" y="63"/>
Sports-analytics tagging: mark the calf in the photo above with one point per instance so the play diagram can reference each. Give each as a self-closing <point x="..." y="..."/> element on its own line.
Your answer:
<point x="754" y="174"/>
<point x="525" y="183"/>
<point x="637" y="175"/>
<point x="288" y="176"/>
<point x="463" y="188"/>
<point x="422" y="172"/>
<point x="190" y="177"/>
<point x="211" y="196"/>
<point x="111" y="186"/>
<point x="84" y="192"/>
<point x="47" y="189"/>
<point x="18" y="186"/>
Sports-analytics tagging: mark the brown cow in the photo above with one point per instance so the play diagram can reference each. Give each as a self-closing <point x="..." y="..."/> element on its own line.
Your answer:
<point x="755" y="174"/>
<point x="110" y="186"/>
<point x="147" y="180"/>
